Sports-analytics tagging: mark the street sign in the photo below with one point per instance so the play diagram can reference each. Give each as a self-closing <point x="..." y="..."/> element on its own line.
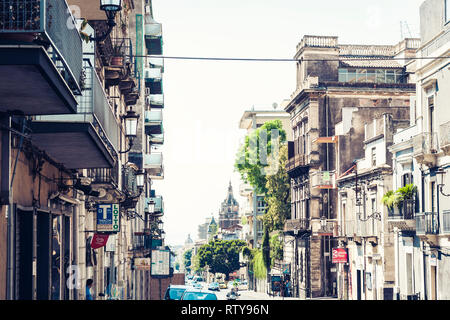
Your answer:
<point x="108" y="217"/>
<point x="339" y="255"/>
<point x="160" y="263"/>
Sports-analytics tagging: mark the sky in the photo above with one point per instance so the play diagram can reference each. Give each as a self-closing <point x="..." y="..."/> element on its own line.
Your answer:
<point x="204" y="100"/>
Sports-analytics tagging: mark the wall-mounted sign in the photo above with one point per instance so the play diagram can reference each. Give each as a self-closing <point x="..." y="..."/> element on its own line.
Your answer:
<point x="160" y="263"/>
<point x="99" y="240"/>
<point x="142" y="263"/>
<point x="108" y="217"/>
<point x="339" y="255"/>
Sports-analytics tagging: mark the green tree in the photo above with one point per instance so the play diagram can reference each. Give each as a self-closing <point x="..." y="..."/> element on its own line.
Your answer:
<point x="276" y="249"/>
<point x="187" y="259"/>
<point x="278" y="195"/>
<point x="248" y="161"/>
<point x="222" y="256"/>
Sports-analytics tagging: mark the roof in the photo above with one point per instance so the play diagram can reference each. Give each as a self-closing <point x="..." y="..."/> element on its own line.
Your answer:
<point x="358" y="63"/>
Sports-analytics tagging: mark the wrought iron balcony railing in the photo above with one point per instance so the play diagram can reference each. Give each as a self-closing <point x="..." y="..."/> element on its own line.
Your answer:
<point x="104" y="175"/>
<point x="52" y="22"/>
<point x="445" y="227"/>
<point x="155" y="101"/>
<point x="405" y="210"/>
<point x="427" y="223"/>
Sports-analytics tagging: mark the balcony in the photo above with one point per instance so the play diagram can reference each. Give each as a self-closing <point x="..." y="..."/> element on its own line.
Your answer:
<point x="153" y="122"/>
<point x="156" y="138"/>
<point x="40" y="56"/>
<point x="444" y="133"/>
<point x="323" y="180"/>
<point x="297" y="164"/>
<point x="296" y="225"/>
<point x="153" y="80"/>
<point x="158" y="208"/>
<point x="153" y="36"/>
<point x="446" y="222"/>
<point x="86" y="140"/>
<point x="402" y="216"/>
<point x="427" y="223"/>
<point x="155" y="101"/>
<point x="425" y="148"/>
<point x="156" y="63"/>
<point x="104" y="176"/>
<point x="153" y="164"/>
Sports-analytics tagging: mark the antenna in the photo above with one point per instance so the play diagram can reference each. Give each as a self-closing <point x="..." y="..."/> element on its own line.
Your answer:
<point x="405" y="31"/>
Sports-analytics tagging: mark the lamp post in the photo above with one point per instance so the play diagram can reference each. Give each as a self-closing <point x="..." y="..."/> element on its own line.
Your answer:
<point x="140" y="179"/>
<point x="131" y="120"/>
<point x="440" y="174"/>
<point x="111" y="7"/>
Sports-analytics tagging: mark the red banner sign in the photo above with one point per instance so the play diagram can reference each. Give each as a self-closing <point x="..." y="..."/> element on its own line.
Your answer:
<point x="99" y="240"/>
<point x="339" y="255"/>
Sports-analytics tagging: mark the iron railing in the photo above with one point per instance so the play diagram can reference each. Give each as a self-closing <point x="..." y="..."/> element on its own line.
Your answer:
<point x="93" y="107"/>
<point x="445" y="221"/>
<point x="405" y="210"/>
<point x="53" y="21"/>
<point x="104" y="175"/>
<point x="444" y="133"/>
<point x="427" y="223"/>
<point x="296" y="224"/>
<point x="155" y="100"/>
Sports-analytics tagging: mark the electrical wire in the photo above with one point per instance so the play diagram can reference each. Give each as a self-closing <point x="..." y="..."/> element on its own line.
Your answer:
<point x="344" y="58"/>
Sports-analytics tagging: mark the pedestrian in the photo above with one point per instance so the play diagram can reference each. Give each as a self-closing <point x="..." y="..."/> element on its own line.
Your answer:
<point x="89" y="283"/>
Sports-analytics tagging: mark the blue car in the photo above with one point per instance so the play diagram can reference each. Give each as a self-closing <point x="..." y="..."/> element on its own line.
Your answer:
<point x="195" y="294"/>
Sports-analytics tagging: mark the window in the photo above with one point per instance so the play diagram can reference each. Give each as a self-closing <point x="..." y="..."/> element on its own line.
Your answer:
<point x="374" y="157"/>
<point x="431" y="113"/>
<point x="372" y="75"/>
<point x="447" y="11"/>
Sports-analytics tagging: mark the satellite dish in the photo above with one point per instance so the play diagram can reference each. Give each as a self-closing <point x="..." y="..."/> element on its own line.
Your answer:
<point x="275" y="105"/>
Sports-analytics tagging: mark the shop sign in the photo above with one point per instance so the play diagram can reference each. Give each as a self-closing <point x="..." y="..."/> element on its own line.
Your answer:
<point x="99" y="240"/>
<point x="339" y="255"/>
<point x="160" y="263"/>
<point x="108" y="217"/>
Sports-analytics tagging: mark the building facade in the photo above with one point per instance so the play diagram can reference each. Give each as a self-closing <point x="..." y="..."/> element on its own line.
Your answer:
<point x="337" y="93"/>
<point x="67" y="151"/>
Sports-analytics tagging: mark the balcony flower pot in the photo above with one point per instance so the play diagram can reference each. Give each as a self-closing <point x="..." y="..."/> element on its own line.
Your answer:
<point x="117" y="61"/>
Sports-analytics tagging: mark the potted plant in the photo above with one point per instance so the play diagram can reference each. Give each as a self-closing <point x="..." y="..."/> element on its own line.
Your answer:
<point x="406" y="197"/>
<point x="390" y="200"/>
<point x="117" y="59"/>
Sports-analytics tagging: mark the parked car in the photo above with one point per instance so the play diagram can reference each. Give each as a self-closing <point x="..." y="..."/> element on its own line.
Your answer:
<point x="214" y="286"/>
<point x="197" y="285"/>
<point x="195" y="294"/>
<point x="222" y="285"/>
<point x="243" y="285"/>
<point x="175" y="292"/>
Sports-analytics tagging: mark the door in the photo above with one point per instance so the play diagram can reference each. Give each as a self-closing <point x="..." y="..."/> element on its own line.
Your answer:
<point x="43" y="256"/>
<point x="358" y="284"/>
<point x="24" y="255"/>
<point x="433" y="284"/>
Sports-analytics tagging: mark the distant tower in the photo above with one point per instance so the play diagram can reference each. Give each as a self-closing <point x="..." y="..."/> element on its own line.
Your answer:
<point x="229" y="211"/>
<point x="188" y="241"/>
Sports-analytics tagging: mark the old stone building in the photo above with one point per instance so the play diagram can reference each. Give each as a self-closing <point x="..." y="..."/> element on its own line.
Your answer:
<point x="339" y="89"/>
